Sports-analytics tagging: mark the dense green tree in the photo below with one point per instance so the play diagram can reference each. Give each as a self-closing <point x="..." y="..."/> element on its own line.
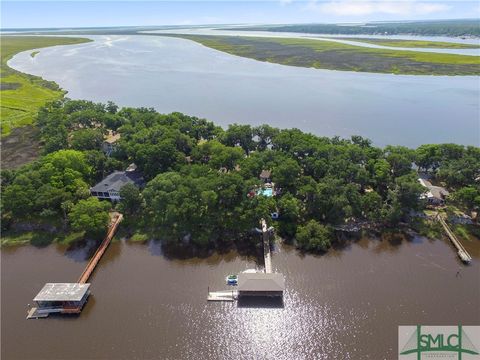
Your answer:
<point x="468" y="196"/>
<point x="408" y="191"/>
<point x="286" y="174"/>
<point x="132" y="201"/>
<point x="90" y="215"/>
<point x="290" y="209"/>
<point x="371" y="203"/>
<point x="400" y="159"/>
<point x="428" y="157"/>
<point x="218" y="155"/>
<point x="313" y="236"/>
<point x="239" y="135"/>
<point x="86" y="139"/>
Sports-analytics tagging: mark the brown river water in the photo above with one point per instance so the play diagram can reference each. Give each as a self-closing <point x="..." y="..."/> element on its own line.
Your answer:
<point x="346" y="304"/>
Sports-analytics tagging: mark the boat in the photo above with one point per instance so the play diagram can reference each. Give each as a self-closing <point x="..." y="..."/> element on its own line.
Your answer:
<point x="232" y="279"/>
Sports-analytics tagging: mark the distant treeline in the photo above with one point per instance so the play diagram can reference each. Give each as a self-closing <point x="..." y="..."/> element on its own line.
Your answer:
<point x="470" y="27"/>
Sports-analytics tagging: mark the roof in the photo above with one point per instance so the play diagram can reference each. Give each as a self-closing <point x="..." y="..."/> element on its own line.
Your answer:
<point x="261" y="282"/>
<point x="62" y="292"/>
<point x="434" y="191"/>
<point x="265" y="174"/>
<point x="424" y="182"/>
<point x="438" y="192"/>
<point x="118" y="179"/>
<point x="112" y="138"/>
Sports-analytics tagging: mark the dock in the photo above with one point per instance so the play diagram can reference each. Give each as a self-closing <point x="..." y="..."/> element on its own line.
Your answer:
<point x="33" y="313"/>
<point x="116" y="219"/>
<point x="225" y="295"/>
<point x="69" y="298"/>
<point x="267" y="255"/>
<point x="462" y="252"/>
<point x="266" y="284"/>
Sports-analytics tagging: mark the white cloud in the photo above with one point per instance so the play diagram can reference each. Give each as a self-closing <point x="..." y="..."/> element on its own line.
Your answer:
<point x="359" y="8"/>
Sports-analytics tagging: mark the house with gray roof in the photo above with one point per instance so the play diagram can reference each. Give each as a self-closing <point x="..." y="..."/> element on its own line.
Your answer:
<point x="434" y="195"/>
<point x="109" y="188"/>
<point x="109" y="145"/>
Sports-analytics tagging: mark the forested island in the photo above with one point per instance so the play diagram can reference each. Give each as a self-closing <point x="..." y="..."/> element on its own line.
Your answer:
<point x="203" y="186"/>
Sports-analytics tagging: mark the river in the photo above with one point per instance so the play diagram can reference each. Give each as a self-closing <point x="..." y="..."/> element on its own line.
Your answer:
<point x="172" y="74"/>
<point x="346" y="304"/>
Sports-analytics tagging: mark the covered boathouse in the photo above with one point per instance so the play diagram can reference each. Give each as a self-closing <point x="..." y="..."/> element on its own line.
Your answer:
<point x="63" y="298"/>
<point x="261" y="284"/>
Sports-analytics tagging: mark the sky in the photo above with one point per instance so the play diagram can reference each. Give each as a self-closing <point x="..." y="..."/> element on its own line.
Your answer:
<point x="44" y="14"/>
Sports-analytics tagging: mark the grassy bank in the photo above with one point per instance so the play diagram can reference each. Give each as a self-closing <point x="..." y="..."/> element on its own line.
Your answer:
<point x="39" y="238"/>
<point x="414" y="43"/>
<point x="336" y="56"/>
<point x="22" y="94"/>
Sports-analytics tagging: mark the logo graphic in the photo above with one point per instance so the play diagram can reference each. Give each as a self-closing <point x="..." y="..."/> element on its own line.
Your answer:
<point x="439" y="342"/>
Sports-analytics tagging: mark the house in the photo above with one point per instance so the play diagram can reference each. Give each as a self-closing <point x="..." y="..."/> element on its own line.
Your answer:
<point x="63" y="298"/>
<point x="265" y="176"/>
<point x="109" y="145"/>
<point x="434" y="195"/>
<point x="261" y="284"/>
<point x="109" y="188"/>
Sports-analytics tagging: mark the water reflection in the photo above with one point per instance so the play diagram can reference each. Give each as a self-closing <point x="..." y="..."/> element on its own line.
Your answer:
<point x="149" y="303"/>
<point x="260" y="302"/>
<point x="83" y="250"/>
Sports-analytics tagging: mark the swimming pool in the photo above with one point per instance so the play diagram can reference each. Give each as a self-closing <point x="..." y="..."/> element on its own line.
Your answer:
<point x="265" y="192"/>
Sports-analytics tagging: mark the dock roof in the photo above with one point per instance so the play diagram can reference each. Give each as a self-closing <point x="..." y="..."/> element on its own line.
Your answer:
<point x="62" y="292"/>
<point x="261" y="282"/>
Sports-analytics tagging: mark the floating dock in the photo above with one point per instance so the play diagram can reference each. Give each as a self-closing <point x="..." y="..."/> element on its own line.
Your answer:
<point x="225" y="295"/>
<point x="462" y="252"/>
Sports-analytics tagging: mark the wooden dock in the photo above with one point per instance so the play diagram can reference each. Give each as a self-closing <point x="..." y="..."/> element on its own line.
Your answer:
<point x="34" y="314"/>
<point x="462" y="253"/>
<point x="267" y="255"/>
<point x="116" y="219"/>
<point x="42" y="312"/>
<point x="226" y="295"/>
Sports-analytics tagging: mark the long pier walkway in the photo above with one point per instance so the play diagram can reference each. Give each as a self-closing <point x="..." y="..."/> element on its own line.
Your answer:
<point x="116" y="219"/>
<point x="266" y="247"/>
<point x="35" y="312"/>
<point x="462" y="253"/>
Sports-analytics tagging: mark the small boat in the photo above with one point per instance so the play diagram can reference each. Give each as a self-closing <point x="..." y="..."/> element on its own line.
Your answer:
<point x="232" y="279"/>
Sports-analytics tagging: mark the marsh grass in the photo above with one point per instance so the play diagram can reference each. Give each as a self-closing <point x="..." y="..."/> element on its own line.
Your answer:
<point x="21" y="95"/>
<point x="325" y="54"/>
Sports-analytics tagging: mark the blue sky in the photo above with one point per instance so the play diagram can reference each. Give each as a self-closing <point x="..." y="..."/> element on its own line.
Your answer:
<point x="20" y="14"/>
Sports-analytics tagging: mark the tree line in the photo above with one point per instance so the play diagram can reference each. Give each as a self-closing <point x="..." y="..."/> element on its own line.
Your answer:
<point x="198" y="176"/>
<point x="466" y="27"/>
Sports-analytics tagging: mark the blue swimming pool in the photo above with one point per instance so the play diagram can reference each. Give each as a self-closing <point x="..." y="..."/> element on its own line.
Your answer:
<point x="265" y="192"/>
